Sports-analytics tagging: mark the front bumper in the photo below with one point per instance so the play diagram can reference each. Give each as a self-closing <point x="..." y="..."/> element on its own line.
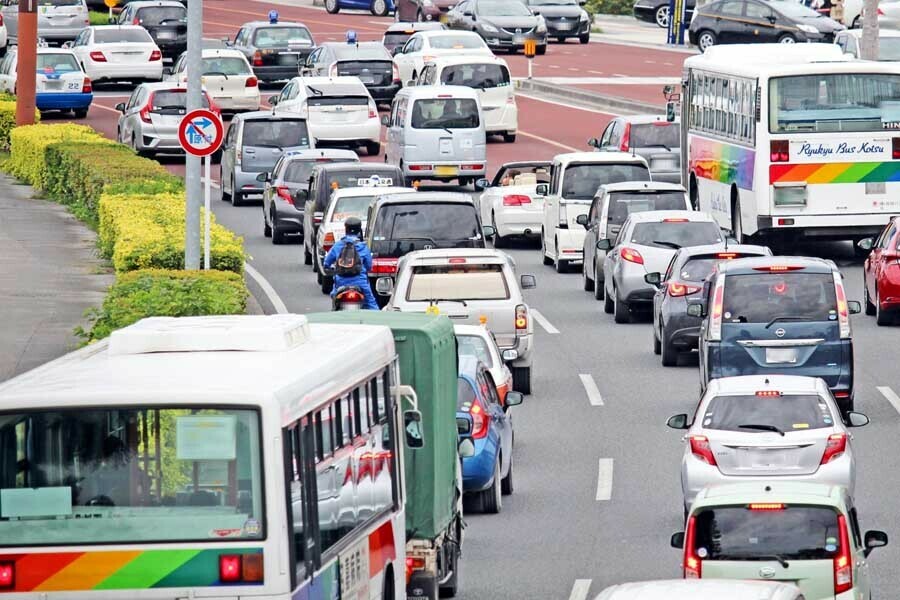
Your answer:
<point x="567" y="28"/>
<point x="503" y="39"/>
<point x="62" y="100"/>
<point x="245" y="181"/>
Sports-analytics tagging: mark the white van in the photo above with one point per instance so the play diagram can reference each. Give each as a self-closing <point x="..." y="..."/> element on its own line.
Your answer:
<point x="489" y="75"/>
<point x="696" y="589"/>
<point x="437" y="132"/>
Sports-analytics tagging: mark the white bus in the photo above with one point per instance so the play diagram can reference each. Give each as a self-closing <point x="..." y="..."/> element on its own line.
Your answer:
<point x="208" y="457"/>
<point x="791" y="141"/>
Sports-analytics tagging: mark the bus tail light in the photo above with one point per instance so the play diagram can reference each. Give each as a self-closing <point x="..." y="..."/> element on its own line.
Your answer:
<point x="779" y="151"/>
<point x="835" y="446"/>
<point x="521" y="319"/>
<point x="229" y="568"/>
<point x="895" y="148"/>
<point x="701" y="449"/>
<point x="842" y="309"/>
<point x="843" y="566"/>
<point x="715" y="315"/>
<point x="241" y="568"/>
<point x="7" y="575"/>
<point x="692" y="562"/>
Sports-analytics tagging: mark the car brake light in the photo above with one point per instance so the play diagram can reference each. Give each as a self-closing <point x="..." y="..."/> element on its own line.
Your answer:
<point x="420" y="167"/>
<point x="229" y="568"/>
<point x="835" y="446"/>
<point x="768" y="394"/>
<point x="701" y="449"/>
<point x="7" y="575"/>
<point x="155" y="55"/>
<point x="284" y="193"/>
<point x="384" y="266"/>
<point x="764" y="506"/>
<point x="631" y="255"/>
<point x="136" y="21"/>
<point x="675" y="220"/>
<point x="457" y="261"/>
<point x="396" y="74"/>
<point x="237" y="568"/>
<point x="87" y="87"/>
<point x="516" y="200"/>
<point x="895" y="148"/>
<point x="521" y="318"/>
<point x="1" y="19"/>
<point x="257" y="59"/>
<point x="692" y="561"/>
<point x="677" y="290"/>
<point x="328" y="241"/>
<point x="726" y="255"/>
<point x="251" y="82"/>
<point x="842" y="394"/>
<point x="779" y="268"/>
<point x="471" y="167"/>
<point x="779" y="151"/>
<point x="626" y="138"/>
<point x="373" y="111"/>
<point x="715" y="317"/>
<point x="97" y="56"/>
<point x="843" y="567"/>
<point x="145" y="111"/>
<point x="842" y="310"/>
<point x="332" y="70"/>
<point x="479" y="420"/>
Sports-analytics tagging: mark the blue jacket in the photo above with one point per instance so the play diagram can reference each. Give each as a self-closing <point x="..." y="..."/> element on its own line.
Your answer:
<point x="365" y="255"/>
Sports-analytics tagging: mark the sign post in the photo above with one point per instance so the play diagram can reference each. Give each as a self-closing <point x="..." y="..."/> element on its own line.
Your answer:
<point x="27" y="62"/>
<point x="111" y="4"/>
<point x="201" y="133"/>
<point x="530" y="51"/>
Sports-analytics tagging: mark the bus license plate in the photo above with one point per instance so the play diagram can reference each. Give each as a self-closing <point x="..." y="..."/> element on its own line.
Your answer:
<point x="781" y="355"/>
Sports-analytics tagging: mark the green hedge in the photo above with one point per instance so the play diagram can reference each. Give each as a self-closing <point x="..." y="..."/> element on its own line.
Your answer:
<point x="609" y="7"/>
<point x="8" y="118"/>
<point x="162" y="293"/>
<point x="28" y="148"/>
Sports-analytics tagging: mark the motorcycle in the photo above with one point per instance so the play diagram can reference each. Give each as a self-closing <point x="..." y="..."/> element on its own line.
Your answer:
<point x="348" y="297"/>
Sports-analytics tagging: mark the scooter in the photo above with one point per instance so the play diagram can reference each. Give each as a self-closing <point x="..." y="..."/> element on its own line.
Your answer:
<point x="348" y="297"/>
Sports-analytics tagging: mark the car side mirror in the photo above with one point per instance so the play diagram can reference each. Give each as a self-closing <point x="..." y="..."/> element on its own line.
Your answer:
<point x="582" y="220"/>
<point x="468" y="14"/>
<point x="670" y="112"/>
<point x="465" y="448"/>
<point x="481" y="184"/>
<point x="772" y="19"/>
<point x="514" y="398"/>
<point x="677" y="540"/>
<point x="594" y="143"/>
<point x="301" y="195"/>
<point x="854" y="307"/>
<point x="536" y="13"/>
<point x="604" y="244"/>
<point x="488" y="231"/>
<point x="384" y="286"/>
<point x="412" y="424"/>
<point x="385" y="120"/>
<point x="464" y="425"/>
<point x="272" y="100"/>
<point x="874" y="539"/>
<point x="696" y="310"/>
<point x="653" y="279"/>
<point x="678" y="421"/>
<point x="120" y="107"/>
<point x="865" y="244"/>
<point x="527" y="282"/>
<point x="582" y="2"/>
<point x="510" y="355"/>
<point x="856" y="419"/>
<point x="411" y="83"/>
<point x="542" y="189"/>
<point x="262" y="177"/>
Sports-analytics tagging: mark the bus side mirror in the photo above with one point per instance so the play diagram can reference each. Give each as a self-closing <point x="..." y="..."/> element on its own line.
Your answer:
<point x="412" y="424"/>
<point x="670" y="112"/>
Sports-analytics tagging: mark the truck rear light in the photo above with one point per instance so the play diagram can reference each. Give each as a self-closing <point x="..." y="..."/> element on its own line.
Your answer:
<point x="701" y="449"/>
<point x="677" y="290"/>
<point x="843" y="565"/>
<point x="835" y="446"/>
<point x="7" y="575"/>
<point x="779" y="151"/>
<point x="631" y="255"/>
<point x="471" y="167"/>
<point x="895" y="148"/>
<point x="155" y="55"/>
<point x="516" y="200"/>
<point x="420" y="167"/>
<point x="413" y="563"/>
<point x="692" y="561"/>
<point x="97" y="56"/>
<point x="384" y="266"/>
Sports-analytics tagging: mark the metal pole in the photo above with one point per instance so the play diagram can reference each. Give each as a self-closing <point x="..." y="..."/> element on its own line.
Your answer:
<point x="192" y="164"/>
<point x="207" y="213"/>
<point x="27" y="57"/>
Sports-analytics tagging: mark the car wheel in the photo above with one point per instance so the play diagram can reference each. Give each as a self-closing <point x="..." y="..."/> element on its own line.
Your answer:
<point x="669" y="354"/>
<point x="657" y="345"/>
<point x="509" y="138"/>
<point x="661" y="16"/>
<point x="307" y="255"/>
<point x="492" y="498"/>
<point x="547" y="260"/>
<point x="522" y="379"/>
<point x="499" y="240"/>
<point x="585" y="38"/>
<point x="608" y="303"/>
<point x="562" y="266"/>
<point x="621" y="314"/>
<point x="882" y="317"/>
<point x="541" y="50"/>
<point x="598" y="285"/>
<point x="327" y="282"/>
<point x="706" y="40"/>
<point x="560" y="40"/>
<point x="787" y="39"/>
<point x="379" y="8"/>
<point x="373" y="148"/>
<point x="331" y="7"/>
<point x="277" y="234"/>
<point x="267" y="229"/>
<point x="80" y="113"/>
<point x="870" y="306"/>
<point x="226" y="197"/>
<point x="237" y="198"/>
<point x="506" y="485"/>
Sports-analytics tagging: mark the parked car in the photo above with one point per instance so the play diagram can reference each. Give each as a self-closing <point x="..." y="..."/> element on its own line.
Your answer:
<point x="398" y="33"/>
<point x="702" y="589"/>
<point x="502" y="23"/>
<point x="510" y="202"/>
<point x="564" y="18"/>
<point x="276" y="51"/>
<point x="650" y="136"/>
<point x="379" y="8"/>
<point x="477" y="341"/>
<point x="61" y="84"/>
<point x="888" y="15"/>
<point x="58" y="20"/>
<point x="881" y="273"/>
<point x="118" y="53"/>
<point x="164" y="20"/>
<point x="850" y="41"/>
<point x="657" y="11"/>
<point x="368" y="61"/>
<point x="422" y="10"/>
<point x="424" y="45"/>
<point x="228" y="78"/>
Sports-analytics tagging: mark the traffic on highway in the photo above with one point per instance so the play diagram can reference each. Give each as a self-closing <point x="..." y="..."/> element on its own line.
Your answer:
<point x="511" y="344"/>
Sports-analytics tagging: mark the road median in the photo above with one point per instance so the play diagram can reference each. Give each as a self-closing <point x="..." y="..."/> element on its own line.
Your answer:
<point x="544" y="89"/>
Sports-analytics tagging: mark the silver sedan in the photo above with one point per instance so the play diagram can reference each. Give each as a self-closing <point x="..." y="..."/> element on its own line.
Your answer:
<point x="764" y="428"/>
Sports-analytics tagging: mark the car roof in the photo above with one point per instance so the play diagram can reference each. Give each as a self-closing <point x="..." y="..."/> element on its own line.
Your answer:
<point x="723" y="247"/>
<point x="366" y="190"/>
<point x="466" y="59"/>
<point x="697" y="589"/>
<point x="479" y="330"/>
<point x="647" y="119"/>
<point x="146" y="3"/>
<point x="415" y="26"/>
<point x="343" y="49"/>
<point x="750" y="384"/>
<point x="748" y="265"/>
<point x="448" y="32"/>
<point x="598" y="157"/>
<point x="123" y="26"/>
<point x="445" y="197"/>
<point x="312" y="154"/>
<point x="858" y="33"/>
<point x="526" y="163"/>
<point x="340" y="85"/>
<point x="267" y="115"/>
<point x="640" y="186"/>
<point x="357" y="166"/>
<point x="788" y="492"/>
<point x="657" y="216"/>
<point x="484" y="255"/>
<point x="261" y="24"/>
<point x="223" y="53"/>
<point x="418" y="92"/>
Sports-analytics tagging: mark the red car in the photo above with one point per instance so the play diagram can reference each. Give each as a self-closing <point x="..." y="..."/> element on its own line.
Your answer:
<point x="881" y="273"/>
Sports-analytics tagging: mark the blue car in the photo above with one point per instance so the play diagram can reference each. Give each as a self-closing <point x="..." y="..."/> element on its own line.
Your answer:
<point x="61" y="84"/>
<point x="488" y="473"/>
<point x="379" y="8"/>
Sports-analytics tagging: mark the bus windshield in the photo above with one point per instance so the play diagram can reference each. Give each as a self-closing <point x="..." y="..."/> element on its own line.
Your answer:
<point x="134" y="474"/>
<point x="840" y="102"/>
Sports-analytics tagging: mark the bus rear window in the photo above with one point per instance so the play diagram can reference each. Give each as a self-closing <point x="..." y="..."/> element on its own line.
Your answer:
<point x="457" y="282"/>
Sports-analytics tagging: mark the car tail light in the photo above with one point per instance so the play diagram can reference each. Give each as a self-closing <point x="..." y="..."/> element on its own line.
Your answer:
<point x="7" y="575"/>
<point x="692" y="562"/>
<point x="842" y="310"/>
<point x="420" y="167"/>
<point x="155" y="55"/>
<point x="396" y="74"/>
<point x="726" y="255"/>
<point x="521" y="318"/>
<point x="257" y="59"/>
<point x="471" y="167"/>
<point x="768" y="394"/>
<point x="701" y="449"/>
<point x="677" y="290"/>
<point x="328" y="241"/>
<point x="284" y="193"/>
<point x="229" y="568"/>
<point x="779" y="268"/>
<point x="479" y="420"/>
<point x="1" y="19"/>
<point x="835" y="446"/>
<point x="516" y="200"/>
<point x="626" y="138"/>
<point x="97" y="56"/>
<point x="895" y="148"/>
<point x="631" y="255"/>
<point x="384" y="266"/>
<point x="779" y="151"/>
<point x="136" y="21"/>
<point x="145" y="111"/>
<point x="766" y="506"/>
<point x="317" y="218"/>
<point x="880" y="13"/>
<point x="87" y="87"/>
<point x="332" y="70"/>
<point x="373" y="110"/>
<point x="843" y="567"/>
<point x="251" y="82"/>
<point x="715" y="316"/>
<point x="675" y="220"/>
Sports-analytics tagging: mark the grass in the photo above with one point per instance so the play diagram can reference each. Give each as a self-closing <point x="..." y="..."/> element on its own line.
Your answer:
<point x="99" y="17"/>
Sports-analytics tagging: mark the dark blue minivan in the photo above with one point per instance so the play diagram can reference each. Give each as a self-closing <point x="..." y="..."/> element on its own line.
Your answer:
<point x="780" y="315"/>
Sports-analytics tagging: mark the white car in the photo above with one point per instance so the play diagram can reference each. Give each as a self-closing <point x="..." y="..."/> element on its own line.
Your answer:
<point x="850" y="41"/>
<point x="510" y="202"/>
<point x="60" y="85"/>
<point x="338" y="110"/>
<point x="118" y="53"/>
<point x="478" y="341"/>
<point x="227" y="77"/>
<point x="424" y="46"/>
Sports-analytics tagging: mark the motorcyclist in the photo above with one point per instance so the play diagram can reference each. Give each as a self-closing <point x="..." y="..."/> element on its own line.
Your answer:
<point x="353" y="235"/>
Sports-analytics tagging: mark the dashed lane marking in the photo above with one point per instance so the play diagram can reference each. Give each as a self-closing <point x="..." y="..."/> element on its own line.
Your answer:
<point x="604" y="479"/>
<point x="541" y="320"/>
<point x="891" y="396"/>
<point x="591" y="389"/>
<point x="580" y="589"/>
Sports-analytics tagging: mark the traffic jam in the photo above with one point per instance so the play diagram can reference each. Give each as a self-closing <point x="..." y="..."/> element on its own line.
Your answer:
<point x="702" y="298"/>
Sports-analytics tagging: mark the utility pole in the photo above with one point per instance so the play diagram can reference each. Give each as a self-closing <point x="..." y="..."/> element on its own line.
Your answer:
<point x="869" y="46"/>
<point x="27" y="57"/>
<point x="193" y="185"/>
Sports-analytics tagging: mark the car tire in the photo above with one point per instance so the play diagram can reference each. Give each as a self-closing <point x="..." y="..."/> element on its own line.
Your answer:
<point x="661" y="16"/>
<point x="332" y="7"/>
<point x="608" y="303"/>
<point x="599" y="292"/>
<point x="277" y="234"/>
<point x="787" y="39"/>
<point x="867" y="301"/>
<point x="307" y="255"/>
<point x="657" y="345"/>
<point x="586" y="282"/>
<point x="237" y="198"/>
<point x="449" y="588"/>
<point x="267" y="229"/>
<point x="492" y="498"/>
<point x="882" y="317"/>
<point x="226" y="197"/>
<point x="621" y="314"/>
<point x="373" y="148"/>
<point x="561" y="266"/>
<point x="560" y="40"/>
<point x="522" y="379"/>
<point x="379" y="8"/>
<point x="547" y="260"/>
<point x="80" y="113"/>
<point x="541" y="50"/>
<point x="498" y="240"/>
<point x="706" y="39"/>
<point x="327" y="282"/>
<point x="506" y="484"/>
<point x="585" y="38"/>
<point x="669" y="354"/>
<point x="509" y="138"/>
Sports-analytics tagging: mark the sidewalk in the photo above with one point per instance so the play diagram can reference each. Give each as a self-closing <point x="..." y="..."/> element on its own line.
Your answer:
<point x="49" y="276"/>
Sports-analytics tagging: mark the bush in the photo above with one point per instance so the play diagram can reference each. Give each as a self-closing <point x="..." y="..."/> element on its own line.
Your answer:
<point x="161" y="293"/>
<point x="8" y="118"/>
<point x="28" y="147"/>
<point x="98" y="17"/>
<point x="609" y="7"/>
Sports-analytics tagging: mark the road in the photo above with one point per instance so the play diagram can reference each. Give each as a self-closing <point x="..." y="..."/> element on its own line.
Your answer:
<point x="596" y="472"/>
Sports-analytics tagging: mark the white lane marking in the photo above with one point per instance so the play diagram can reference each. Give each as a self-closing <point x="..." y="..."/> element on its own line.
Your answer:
<point x="605" y="479"/>
<point x="573" y="69"/>
<point x="267" y="289"/>
<point x="619" y="75"/>
<point x="590" y="387"/>
<point x="519" y="94"/>
<point x="580" y="589"/>
<point x="541" y="320"/>
<point x="650" y="62"/>
<point x="553" y="66"/>
<point x="548" y="141"/>
<point x="891" y="397"/>
<point x="596" y="72"/>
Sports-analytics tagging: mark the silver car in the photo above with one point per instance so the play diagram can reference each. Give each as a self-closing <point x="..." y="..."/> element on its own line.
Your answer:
<point x="58" y="20"/>
<point x="649" y="136"/>
<point x="765" y="427"/>
<point x="646" y="244"/>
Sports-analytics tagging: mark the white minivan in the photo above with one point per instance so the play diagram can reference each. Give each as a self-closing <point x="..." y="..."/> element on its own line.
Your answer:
<point x="489" y="75"/>
<point x="437" y="132"/>
<point x="698" y="589"/>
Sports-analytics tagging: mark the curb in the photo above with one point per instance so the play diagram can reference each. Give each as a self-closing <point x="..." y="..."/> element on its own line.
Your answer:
<point x="586" y="98"/>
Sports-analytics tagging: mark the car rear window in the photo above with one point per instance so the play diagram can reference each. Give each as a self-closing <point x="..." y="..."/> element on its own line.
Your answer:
<point x="761" y="297"/>
<point x="457" y="282"/>
<point x="172" y="100"/>
<point x="795" y="412"/>
<point x="581" y="180"/>
<point x="276" y="133"/>
<point x="395" y="38"/>
<point x="117" y="35"/>
<point x="662" y="134"/>
<point x="676" y="234"/>
<point x="298" y="171"/>
<point x="700" y="267"/>
<point x="456" y="42"/>
<point x="161" y="15"/>
<point x="338" y="101"/>
<point x="445" y="113"/>
<point x="740" y="533"/>
<point x="273" y="37"/>
<point x="351" y="206"/>
<point x="225" y="65"/>
<point x="56" y="63"/>
<point x="430" y="222"/>
<point x="622" y="204"/>
<point x="60" y="3"/>
<point x="474" y="345"/>
<point x="478" y="76"/>
<point x="352" y="179"/>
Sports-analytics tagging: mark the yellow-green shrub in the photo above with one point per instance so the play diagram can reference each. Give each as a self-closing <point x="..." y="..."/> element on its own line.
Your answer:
<point x="28" y="145"/>
<point x="8" y="118"/>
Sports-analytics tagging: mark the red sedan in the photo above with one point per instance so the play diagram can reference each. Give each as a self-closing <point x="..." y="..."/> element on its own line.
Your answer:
<point x="881" y="273"/>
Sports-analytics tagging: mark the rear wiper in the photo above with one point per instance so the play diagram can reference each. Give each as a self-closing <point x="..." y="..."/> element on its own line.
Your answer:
<point x="779" y="559"/>
<point x="315" y="91"/>
<point x="762" y="428"/>
<point x="208" y="73"/>
<point x="164" y="21"/>
<point x="447" y="129"/>
<point x="672" y="245"/>
<point x="436" y="300"/>
<point x="169" y="107"/>
<point x="657" y="146"/>
<point x="787" y="318"/>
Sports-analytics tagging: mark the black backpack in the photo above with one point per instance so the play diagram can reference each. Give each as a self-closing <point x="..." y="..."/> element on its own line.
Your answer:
<point x="348" y="262"/>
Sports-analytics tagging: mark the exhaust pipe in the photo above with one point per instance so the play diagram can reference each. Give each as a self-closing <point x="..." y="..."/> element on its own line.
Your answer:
<point x="527" y="232"/>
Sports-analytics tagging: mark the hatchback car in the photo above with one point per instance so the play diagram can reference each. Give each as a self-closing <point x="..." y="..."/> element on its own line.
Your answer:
<point x="422" y="46"/>
<point x="767" y="427"/>
<point x="503" y="24"/>
<point x="646" y="244"/>
<point x="698" y="589"/>
<point x="118" y="53"/>
<point x="228" y="78"/>
<point x="58" y="20"/>
<point x="370" y="62"/>
<point x="881" y="273"/>
<point x="510" y="202"/>
<point x="477" y="341"/>
<point x="564" y="18"/>
<point x="164" y="20"/>
<point x="276" y="51"/>
<point x="650" y="136"/>
<point x="254" y="143"/>
<point x="61" y="85"/>
<point x="777" y="315"/>
<point x="398" y="33"/>
<point x="797" y="532"/>
<point x="282" y="211"/>
<point x="675" y="331"/>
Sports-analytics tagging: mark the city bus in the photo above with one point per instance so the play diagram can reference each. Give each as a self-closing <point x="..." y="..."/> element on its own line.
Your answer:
<point x="208" y="457"/>
<point x="791" y="142"/>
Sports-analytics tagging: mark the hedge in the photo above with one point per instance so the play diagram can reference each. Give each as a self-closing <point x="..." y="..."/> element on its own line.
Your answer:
<point x="29" y="143"/>
<point x="142" y="232"/>
<point x="8" y="118"/>
<point x="609" y="7"/>
<point x="162" y="293"/>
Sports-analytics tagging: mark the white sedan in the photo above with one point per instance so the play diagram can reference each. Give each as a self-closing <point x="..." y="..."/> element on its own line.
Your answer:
<point x="510" y="202"/>
<point x="478" y="341"/>
<point x="118" y="53"/>
<point x="227" y="77"/>
<point x="423" y="46"/>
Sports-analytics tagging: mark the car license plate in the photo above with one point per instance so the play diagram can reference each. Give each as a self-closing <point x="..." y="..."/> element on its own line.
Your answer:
<point x="761" y="459"/>
<point x="445" y="171"/>
<point x="166" y="35"/>
<point x="564" y="26"/>
<point x="781" y="355"/>
<point x="53" y="85"/>
<point x="444" y="19"/>
<point x="518" y="40"/>
<point x="289" y="58"/>
<point x="367" y="79"/>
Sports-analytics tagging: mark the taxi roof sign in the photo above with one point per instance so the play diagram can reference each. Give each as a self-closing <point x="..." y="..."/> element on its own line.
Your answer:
<point x="375" y="181"/>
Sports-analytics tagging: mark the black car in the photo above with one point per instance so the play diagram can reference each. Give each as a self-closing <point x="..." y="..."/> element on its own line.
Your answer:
<point x="657" y="11"/>
<point x="397" y="34"/>
<point x="276" y="51"/>
<point x="164" y="20"/>
<point x="749" y="21"/>
<point x="370" y="61"/>
<point x="501" y="23"/>
<point x="564" y="18"/>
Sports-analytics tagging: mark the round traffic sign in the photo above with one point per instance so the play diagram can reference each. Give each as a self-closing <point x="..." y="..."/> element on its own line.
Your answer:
<point x="111" y="3"/>
<point x="200" y="132"/>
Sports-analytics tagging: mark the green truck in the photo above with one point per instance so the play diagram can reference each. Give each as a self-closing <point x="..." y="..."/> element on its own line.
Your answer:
<point x="426" y="347"/>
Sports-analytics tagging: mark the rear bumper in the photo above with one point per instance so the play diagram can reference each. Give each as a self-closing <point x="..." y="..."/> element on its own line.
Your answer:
<point x="824" y="226"/>
<point x="245" y="181"/>
<point x="683" y="332"/>
<point x="432" y="173"/>
<point x="127" y="72"/>
<point x="889" y="287"/>
<point x="515" y="221"/>
<point x="290" y="218"/>
<point x="62" y="101"/>
<point x="478" y="470"/>
<point x="384" y="93"/>
<point x="171" y="48"/>
<point x="631" y="287"/>
<point x="238" y="103"/>
<point x="355" y="134"/>
<point x="269" y="73"/>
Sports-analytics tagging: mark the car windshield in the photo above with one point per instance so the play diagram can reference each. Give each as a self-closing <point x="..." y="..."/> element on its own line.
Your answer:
<point x="794" y="10"/>
<point x="699" y="267"/>
<point x="742" y="533"/>
<point x="276" y="133"/>
<point x="130" y="474"/>
<point x="274" y="37"/>
<point x="117" y="35"/>
<point x="226" y="65"/>
<point x="661" y="134"/>
<point x="172" y="100"/>
<point x="56" y="63"/>
<point x="159" y="15"/>
<point x="474" y="345"/>
<point x="479" y="76"/>
<point x="298" y="171"/>
<point x="840" y="102"/>
<point x="504" y="8"/>
<point x="580" y="181"/>
<point x="456" y="42"/>
<point x="787" y="413"/>
<point x="761" y="297"/>
<point x="467" y="281"/>
<point x="432" y="221"/>
<point x="676" y="234"/>
<point x="445" y="113"/>
<point x="351" y="206"/>
<point x="622" y="204"/>
<point x="889" y="49"/>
